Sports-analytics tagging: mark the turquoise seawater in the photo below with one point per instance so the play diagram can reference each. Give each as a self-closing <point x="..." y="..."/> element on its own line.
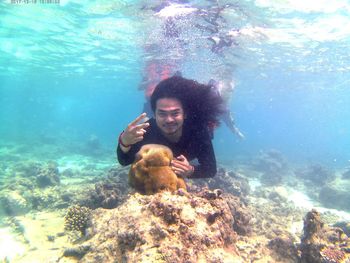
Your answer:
<point x="71" y="70"/>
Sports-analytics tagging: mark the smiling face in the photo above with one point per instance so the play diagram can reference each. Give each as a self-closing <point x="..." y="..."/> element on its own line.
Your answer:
<point x="170" y="117"/>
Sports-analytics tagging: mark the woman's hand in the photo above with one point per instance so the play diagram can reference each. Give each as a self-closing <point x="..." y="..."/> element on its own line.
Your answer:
<point x="182" y="167"/>
<point x="134" y="132"/>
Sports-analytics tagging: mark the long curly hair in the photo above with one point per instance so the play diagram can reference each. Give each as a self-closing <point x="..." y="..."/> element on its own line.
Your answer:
<point x="202" y="104"/>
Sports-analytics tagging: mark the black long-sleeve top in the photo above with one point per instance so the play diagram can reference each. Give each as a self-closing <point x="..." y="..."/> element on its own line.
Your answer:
<point x="193" y="144"/>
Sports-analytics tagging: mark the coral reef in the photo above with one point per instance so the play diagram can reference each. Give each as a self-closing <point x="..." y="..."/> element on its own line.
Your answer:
<point x="164" y="227"/>
<point x="272" y="165"/>
<point x="48" y="175"/>
<point x="14" y="203"/>
<point x="278" y="221"/>
<point x="27" y="169"/>
<point x="271" y="160"/>
<point x="284" y="248"/>
<point x="271" y="178"/>
<point x="232" y="182"/>
<point x="43" y="174"/>
<point x="33" y="186"/>
<point x="316" y="174"/>
<point x="241" y="215"/>
<point x="235" y="223"/>
<point x="77" y="218"/>
<point x="346" y="174"/>
<point x="331" y="197"/>
<point x="23" y="192"/>
<point x="321" y="243"/>
<point x="151" y="171"/>
<point x="229" y="181"/>
<point x="345" y="226"/>
<point x="109" y="192"/>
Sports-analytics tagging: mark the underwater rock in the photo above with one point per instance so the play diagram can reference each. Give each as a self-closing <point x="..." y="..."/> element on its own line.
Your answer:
<point x="28" y="169"/>
<point x="110" y="192"/>
<point x="48" y="175"/>
<point x="273" y="215"/>
<point x="76" y="252"/>
<point x="334" y="198"/>
<point x="321" y="243"/>
<point x="20" y="184"/>
<point x="14" y="203"/>
<point x="272" y="166"/>
<point x="271" y="178"/>
<point x="284" y="248"/>
<point x="29" y="191"/>
<point x="105" y="195"/>
<point x="271" y="161"/>
<point x="164" y="227"/>
<point x="151" y="172"/>
<point x="346" y="174"/>
<point x="231" y="182"/>
<point x="345" y="226"/>
<point x="317" y="174"/>
<point x="42" y="199"/>
<point x="241" y="215"/>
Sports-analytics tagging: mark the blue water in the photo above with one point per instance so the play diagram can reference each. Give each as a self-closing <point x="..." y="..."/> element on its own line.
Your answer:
<point x="73" y="69"/>
<point x="69" y="84"/>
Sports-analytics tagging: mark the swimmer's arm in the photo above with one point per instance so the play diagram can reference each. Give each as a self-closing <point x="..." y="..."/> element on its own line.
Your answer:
<point x="207" y="161"/>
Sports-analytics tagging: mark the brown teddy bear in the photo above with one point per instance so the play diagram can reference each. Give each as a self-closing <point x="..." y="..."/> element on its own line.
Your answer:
<point x="151" y="172"/>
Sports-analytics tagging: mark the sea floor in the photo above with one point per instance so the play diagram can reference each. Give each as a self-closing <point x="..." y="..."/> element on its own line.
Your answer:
<point x="39" y="182"/>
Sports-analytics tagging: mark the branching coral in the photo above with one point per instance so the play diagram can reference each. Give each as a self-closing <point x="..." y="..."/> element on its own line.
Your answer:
<point x="77" y="218"/>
